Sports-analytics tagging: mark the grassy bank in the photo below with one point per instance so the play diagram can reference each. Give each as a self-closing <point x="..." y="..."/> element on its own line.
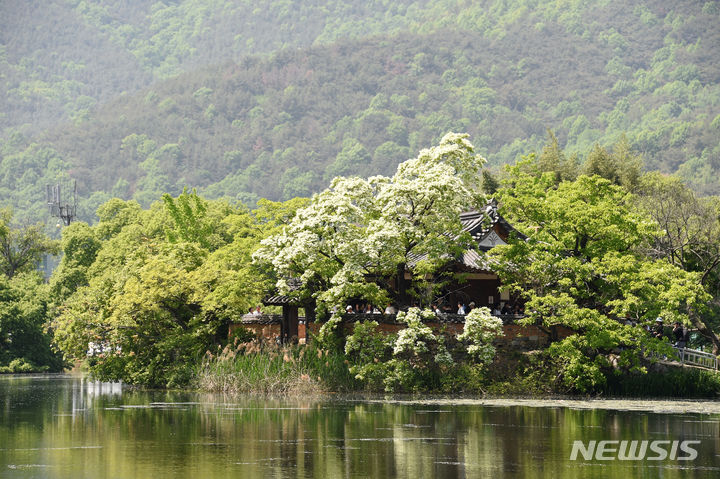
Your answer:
<point x="20" y="365"/>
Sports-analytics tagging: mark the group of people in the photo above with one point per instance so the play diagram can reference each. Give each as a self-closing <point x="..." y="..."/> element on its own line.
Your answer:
<point x="256" y="311"/>
<point x="366" y="309"/>
<point x="680" y="333"/>
<point x="462" y="308"/>
<point x="501" y="309"/>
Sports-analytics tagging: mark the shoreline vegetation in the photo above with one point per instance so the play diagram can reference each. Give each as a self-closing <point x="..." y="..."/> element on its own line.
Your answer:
<point x="657" y="405"/>
<point x="273" y="369"/>
<point x="147" y="296"/>
<point x="264" y="367"/>
<point x="294" y="370"/>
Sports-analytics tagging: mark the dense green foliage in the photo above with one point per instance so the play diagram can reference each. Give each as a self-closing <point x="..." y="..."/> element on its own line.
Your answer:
<point x="419" y="359"/>
<point x="680" y="383"/>
<point x="21" y="248"/>
<point x="25" y="343"/>
<point x="690" y="228"/>
<point x="589" y="260"/>
<point x="150" y="293"/>
<point x="585" y="266"/>
<point x="24" y="299"/>
<point x="283" y="125"/>
<point x="250" y="100"/>
<point x="147" y="292"/>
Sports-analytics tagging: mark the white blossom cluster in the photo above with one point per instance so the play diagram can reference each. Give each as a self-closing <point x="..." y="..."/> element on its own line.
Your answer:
<point x="481" y="328"/>
<point x="417" y="338"/>
<point x="360" y="228"/>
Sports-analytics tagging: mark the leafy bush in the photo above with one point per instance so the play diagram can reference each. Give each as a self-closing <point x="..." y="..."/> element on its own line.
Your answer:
<point x="525" y="374"/>
<point x="368" y="351"/>
<point x="420" y="359"/>
<point x="685" y="382"/>
<point x="329" y="336"/>
<point x="21" y="365"/>
<point x="241" y="335"/>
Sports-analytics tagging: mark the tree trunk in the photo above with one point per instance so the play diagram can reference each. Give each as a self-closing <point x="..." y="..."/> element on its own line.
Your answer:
<point x="309" y="311"/>
<point x="401" y="284"/>
<point x="705" y="331"/>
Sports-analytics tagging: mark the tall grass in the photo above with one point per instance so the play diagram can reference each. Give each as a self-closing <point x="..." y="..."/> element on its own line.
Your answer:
<point x="267" y="368"/>
<point x="678" y="383"/>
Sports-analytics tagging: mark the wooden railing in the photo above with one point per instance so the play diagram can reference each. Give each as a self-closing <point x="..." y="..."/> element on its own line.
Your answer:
<point x="693" y="357"/>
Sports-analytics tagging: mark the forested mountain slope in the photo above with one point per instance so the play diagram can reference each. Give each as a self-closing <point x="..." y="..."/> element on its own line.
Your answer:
<point x="281" y="125"/>
<point x="285" y="126"/>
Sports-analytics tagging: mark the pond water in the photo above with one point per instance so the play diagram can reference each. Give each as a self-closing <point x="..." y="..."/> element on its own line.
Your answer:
<point x="64" y="426"/>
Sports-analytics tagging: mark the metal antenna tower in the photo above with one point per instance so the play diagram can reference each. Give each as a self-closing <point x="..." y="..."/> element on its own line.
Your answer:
<point x="65" y="211"/>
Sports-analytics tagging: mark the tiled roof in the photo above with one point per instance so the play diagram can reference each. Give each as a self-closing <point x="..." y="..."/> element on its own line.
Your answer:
<point x="280" y="300"/>
<point x="294" y="284"/>
<point x="473" y="260"/>
<point x="479" y="224"/>
<point x="261" y="319"/>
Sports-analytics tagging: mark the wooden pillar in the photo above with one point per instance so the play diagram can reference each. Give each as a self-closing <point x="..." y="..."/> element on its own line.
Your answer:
<point x="289" y="323"/>
<point x="292" y="322"/>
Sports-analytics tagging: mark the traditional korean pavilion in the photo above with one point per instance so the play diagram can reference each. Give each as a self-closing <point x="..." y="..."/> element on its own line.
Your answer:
<point x="482" y="286"/>
<point x="476" y="283"/>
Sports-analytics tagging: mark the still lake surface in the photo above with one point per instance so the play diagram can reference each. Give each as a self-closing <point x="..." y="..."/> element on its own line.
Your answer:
<point x="65" y="426"/>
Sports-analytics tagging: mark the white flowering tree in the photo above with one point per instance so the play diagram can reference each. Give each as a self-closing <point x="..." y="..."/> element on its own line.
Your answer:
<point x="417" y="340"/>
<point x="418" y="357"/>
<point x="480" y="330"/>
<point x="358" y="238"/>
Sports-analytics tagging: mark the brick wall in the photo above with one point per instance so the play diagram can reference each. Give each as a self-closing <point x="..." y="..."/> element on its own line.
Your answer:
<point x="516" y="336"/>
<point x="261" y="330"/>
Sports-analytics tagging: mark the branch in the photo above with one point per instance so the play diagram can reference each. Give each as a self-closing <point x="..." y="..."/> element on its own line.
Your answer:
<point x="709" y="269"/>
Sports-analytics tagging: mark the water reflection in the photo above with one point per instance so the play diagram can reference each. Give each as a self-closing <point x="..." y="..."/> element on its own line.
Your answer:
<point x="65" y="426"/>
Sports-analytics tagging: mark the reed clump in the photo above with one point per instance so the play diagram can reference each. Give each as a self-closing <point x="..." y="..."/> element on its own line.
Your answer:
<point x="265" y="367"/>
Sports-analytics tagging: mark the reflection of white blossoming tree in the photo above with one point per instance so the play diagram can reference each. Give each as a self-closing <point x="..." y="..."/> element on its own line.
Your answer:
<point x="358" y="238"/>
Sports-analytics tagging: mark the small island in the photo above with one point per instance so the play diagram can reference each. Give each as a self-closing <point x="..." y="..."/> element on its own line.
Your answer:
<point x="554" y="278"/>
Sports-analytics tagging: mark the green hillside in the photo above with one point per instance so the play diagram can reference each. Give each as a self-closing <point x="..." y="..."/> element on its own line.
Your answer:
<point x="381" y="80"/>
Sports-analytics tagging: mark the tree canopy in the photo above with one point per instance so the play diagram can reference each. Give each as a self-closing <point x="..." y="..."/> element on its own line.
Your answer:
<point x="604" y="250"/>
<point x="379" y="228"/>
<point x="150" y="291"/>
<point x="24" y="299"/>
<point x="21" y="248"/>
<point x="584" y="266"/>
